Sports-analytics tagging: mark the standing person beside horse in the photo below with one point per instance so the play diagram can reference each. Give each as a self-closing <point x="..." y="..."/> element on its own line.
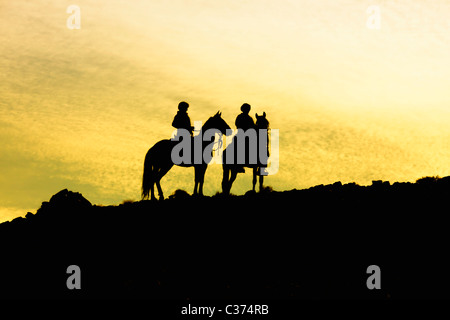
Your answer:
<point x="243" y="123"/>
<point x="249" y="148"/>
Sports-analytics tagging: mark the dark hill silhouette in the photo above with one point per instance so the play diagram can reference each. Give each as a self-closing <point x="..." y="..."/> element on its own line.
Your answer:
<point x="312" y="243"/>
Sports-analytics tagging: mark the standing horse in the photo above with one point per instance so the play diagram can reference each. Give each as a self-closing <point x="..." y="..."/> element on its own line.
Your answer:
<point x="261" y="150"/>
<point x="158" y="160"/>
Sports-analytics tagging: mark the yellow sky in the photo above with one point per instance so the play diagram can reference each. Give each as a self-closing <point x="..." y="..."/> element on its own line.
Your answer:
<point x="80" y="108"/>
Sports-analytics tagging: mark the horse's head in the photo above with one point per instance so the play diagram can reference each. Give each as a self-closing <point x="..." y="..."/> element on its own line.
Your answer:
<point x="261" y="121"/>
<point x="216" y="122"/>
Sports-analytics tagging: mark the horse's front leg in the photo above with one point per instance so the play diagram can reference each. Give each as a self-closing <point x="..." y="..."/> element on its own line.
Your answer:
<point x="261" y="180"/>
<point x="197" y="179"/>
<point x="254" y="178"/>
<point x="233" y="176"/>
<point x="201" y="179"/>
<point x="195" y="187"/>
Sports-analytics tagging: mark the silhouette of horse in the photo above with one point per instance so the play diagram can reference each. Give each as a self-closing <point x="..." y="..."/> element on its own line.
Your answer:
<point x="260" y="149"/>
<point x="158" y="160"/>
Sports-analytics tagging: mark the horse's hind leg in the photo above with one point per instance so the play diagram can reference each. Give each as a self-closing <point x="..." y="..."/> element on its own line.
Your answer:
<point x="161" y="173"/>
<point x="152" y="182"/>
<point x="160" y="193"/>
<point x="254" y="178"/>
<point x="152" y="189"/>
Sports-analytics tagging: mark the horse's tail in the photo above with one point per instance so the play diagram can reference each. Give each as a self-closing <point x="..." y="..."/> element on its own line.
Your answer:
<point x="147" y="177"/>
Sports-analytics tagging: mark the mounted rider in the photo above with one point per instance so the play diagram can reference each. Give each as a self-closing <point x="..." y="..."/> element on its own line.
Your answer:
<point x="181" y="119"/>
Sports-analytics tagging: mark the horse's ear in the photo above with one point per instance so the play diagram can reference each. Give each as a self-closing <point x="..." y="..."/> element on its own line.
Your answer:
<point x="256" y="115"/>
<point x="264" y="114"/>
<point x="220" y="113"/>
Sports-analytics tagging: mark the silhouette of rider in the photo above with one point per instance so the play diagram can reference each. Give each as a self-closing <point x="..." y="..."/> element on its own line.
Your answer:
<point x="244" y="121"/>
<point x="181" y="119"/>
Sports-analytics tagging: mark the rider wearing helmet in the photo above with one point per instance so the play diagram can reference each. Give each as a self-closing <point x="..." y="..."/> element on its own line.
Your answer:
<point x="181" y="119"/>
<point x="244" y="121"/>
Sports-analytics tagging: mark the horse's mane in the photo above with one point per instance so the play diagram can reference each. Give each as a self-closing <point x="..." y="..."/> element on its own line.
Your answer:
<point x="207" y="122"/>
